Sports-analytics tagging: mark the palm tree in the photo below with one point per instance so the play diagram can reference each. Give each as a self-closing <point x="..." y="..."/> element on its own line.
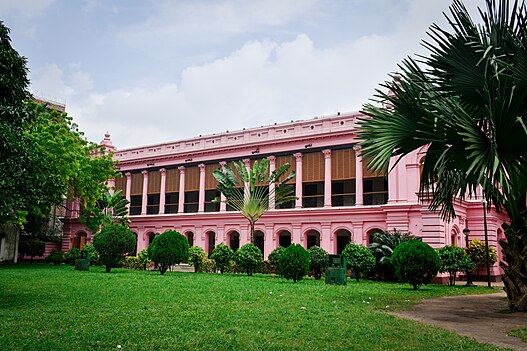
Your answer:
<point x="467" y="103"/>
<point x="110" y="208"/>
<point x="249" y="193"/>
<point x="382" y="247"/>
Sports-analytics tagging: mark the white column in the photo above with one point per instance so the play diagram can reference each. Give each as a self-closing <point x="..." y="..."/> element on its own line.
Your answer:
<point x="359" y="192"/>
<point x="162" y="190"/>
<point x="247" y="185"/>
<point x="145" y="192"/>
<point x="181" y="205"/>
<point x="223" y="199"/>
<point x="201" y="197"/>
<point x="298" y="180"/>
<point x="272" y="168"/>
<point x="128" y="189"/>
<point x="327" y="177"/>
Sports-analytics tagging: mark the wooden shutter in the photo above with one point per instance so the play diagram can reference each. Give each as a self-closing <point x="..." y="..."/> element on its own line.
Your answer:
<point x="343" y="164"/>
<point x="366" y="173"/>
<point x="192" y="178"/>
<point x="172" y="180"/>
<point x="120" y="184"/>
<point x="154" y="182"/>
<point x="313" y="167"/>
<point x="137" y="184"/>
<point x="210" y="182"/>
<point x="282" y="160"/>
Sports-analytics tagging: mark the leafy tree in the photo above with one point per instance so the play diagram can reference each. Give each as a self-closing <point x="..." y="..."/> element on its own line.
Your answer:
<point x="466" y="104"/>
<point x="55" y="257"/>
<point x="274" y="258"/>
<point x="415" y="262"/>
<point x="382" y="248"/>
<point x="359" y="258"/>
<point x="112" y="243"/>
<point x="32" y="247"/>
<point x="478" y="253"/>
<point x="95" y="258"/>
<point x="249" y="257"/>
<point x="222" y="255"/>
<point x="168" y="249"/>
<point x="196" y="257"/>
<point x="248" y="192"/>
<point x="294" y="262"/>
<point x="71" y="255"/>
<point x="143" y="258"/>
<point x="108" y="209"/>
<point x="318" y="258"/>
<point x="454" y="259"/>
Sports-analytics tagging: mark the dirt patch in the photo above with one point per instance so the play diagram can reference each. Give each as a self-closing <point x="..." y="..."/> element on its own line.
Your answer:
<point x="482" y="317"/>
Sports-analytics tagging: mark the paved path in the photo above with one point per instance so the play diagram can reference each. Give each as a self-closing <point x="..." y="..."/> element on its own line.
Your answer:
<point x="482" y="317"/>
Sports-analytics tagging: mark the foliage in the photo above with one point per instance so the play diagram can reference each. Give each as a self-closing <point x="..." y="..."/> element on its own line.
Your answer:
<point x="249" y="193"/>
<point x="249" y="257"/>
<point x="144" y="259"/>
<point x="208" y="266"/>
<point x="294" y="262"/>
<point x="132" y="262"/>
<point x="454" y="259"/>
<point x="359" y="258"/>
<point x="168" y="249"/>
<point x="274" y="258"/>
<point x="222" y="255"/>
<point x="55" y="257"/>
<point x="464" y="107"/>
<point x="108" y="209"/>
<point x="71" y="255"/>
<point x="112" y="243"/>
<point x="317" y="260"/>
<point x="415" y="262"/>
<point x="382" y="247"/>
<point x="196" y="255"/>
<point x="95" y="258"/>
<point x="31" y="247"/>
<point x="478" y="253"/>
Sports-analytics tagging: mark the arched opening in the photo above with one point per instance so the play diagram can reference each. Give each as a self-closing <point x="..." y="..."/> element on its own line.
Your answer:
<point x="259" y="240"/>
<point x="453" y="237"/>
<point x="211" y="242"/>
<point x="234" y="240"/>
<point x="370" y="236"/>
<point x="79" y="240"/>
<point x="151" y="237"/>
<point x="284" y="238"/>
<point x="190" y="239"/>
<point x="343" y="237"/>
<point x="312" y="238"/>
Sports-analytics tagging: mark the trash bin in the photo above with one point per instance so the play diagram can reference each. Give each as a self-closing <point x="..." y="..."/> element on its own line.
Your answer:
<point x="336" y="270"/>
<point x="83" y="263"/>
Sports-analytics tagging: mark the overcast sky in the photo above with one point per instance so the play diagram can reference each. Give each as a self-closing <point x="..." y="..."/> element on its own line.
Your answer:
<point x="155" y="71"/>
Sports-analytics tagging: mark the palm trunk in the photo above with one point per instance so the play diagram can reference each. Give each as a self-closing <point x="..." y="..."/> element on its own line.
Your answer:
<point x="252" y="232"/>
<point x="515" y="267"/>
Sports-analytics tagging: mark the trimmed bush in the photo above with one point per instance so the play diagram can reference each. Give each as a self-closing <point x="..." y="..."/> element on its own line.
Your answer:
<point x="478" y="253"/>
<point x="196" y="255"/>
<point x="359" y="258"/>
<point x="71" y="255"/>
<point x="274" y="258"/>
<point x="95" y="258"/>
<point x="249" y="257"/>
<point x="144" y="259"/>
<point x="294" y="262"/>
<point x="415" y="262"/>
<point x="55" y="256"/>
<point x="132" y="262"/>
<point x="113" y="242"/>
<point x="208" y="266"/>
<point x="222" y="255"/>
<point x="32" y="247"/>
<point x="168" y="249"/>
<point x="317" y="261"/>
<point x="454" y="259"/>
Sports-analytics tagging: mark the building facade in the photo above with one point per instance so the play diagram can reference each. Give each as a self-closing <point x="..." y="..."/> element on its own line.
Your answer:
<point x="170" y="186"/>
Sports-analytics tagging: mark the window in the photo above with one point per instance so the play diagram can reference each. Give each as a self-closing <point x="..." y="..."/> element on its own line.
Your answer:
<point x="136" y="202"/>
<point x="171" y="202"/>
<point x="191" y="201"/>
<point x="152" y="206"/>
<point x="375" y="191"/>
<point x="343" y="192"/>
<point x="313" y="194"/>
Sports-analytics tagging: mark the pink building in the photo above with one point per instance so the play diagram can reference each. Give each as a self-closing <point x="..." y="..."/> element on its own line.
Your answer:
<point x="170" y="186"/>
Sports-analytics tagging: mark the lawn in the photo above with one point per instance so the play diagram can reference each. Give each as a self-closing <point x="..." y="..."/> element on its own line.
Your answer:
<point x="57" y="308"/>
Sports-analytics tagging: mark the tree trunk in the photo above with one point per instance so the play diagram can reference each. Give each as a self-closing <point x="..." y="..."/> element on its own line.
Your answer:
<point x="252" y="232"/>
<point x="108" y="268"/>
<point x="515" y="267"/>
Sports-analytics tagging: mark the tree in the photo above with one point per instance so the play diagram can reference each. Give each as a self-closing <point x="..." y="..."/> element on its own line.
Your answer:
<point x="382" y="247"/>
<point x="168" y="249"/>
<point x="294" y="262"/>
<point x="415" y="262"/>
<point x="196" y="257"/>
<point x="112" y="243"/>
<point x="454" y="259"/>
<point x="274" y="258"/>
<point x="466" y="104"/>
<point x="222" y="255"/>
<point x="110" y="208"/>
<point x="318" y="258"/>
<point x="249" y="257"/>
<point x="359" y="258"/>
<point x="32" y="247"/>
<point x="478" y="253"/>
<point x="248" y="192"/>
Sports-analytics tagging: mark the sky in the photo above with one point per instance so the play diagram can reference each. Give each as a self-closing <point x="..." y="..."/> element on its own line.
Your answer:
<point x="154" y="71"/>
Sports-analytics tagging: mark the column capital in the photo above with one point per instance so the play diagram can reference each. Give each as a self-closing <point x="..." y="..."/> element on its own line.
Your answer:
<point x="298" y="156"/>
<point x="201" y="167"/>
<point x="128" y="175"/>
<point x="271" y="158"/>
<point x="222" y="164"/>
<point x="181" y="169"/>
<point x="144" y="172"/>
<point x="327" y="153"/>
<point x="163" y="171"/>
<point x="247" y="162"/>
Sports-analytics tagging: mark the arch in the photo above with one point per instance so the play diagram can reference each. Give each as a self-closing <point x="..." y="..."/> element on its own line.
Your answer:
<point x="312" y="237"/>
<point x="79" y="240"/>
<point x="454" y="236"/>
<point x="370" y="235"/>
<point x="211" y="241"/>
<point x="342" y="238"/>
<point x="150" y="237"/>
<point x="259" y="238"/>
<point x="190" y="237"/>
<point x="284" y="238"/>
<point x="233" y="240"/>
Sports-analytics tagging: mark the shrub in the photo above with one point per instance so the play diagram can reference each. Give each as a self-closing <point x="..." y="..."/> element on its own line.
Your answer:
<point x="144" y="259"/>
<point x="317" y="260"/>
<point x="478" y="253"/>
<point x="168" y="249"/>
<point x="274" y="258"/>
<point x="222" y="255"/>
<point x="95" y="258"/>
<point x="415" y="262"/>
<point x="132" y="262"/>
<point x="454" y="259"/>
<point x="266" y="268"/>
<point x="32" y="247"/>
<point x="234" y="268"/>
<point x="55" y="256"/>
<point x="113" y="242"/>
<point x="208" y="266"/>
<point x="249" y="257"/>
<point x="71" y="255"/>
<point x="359" y="258"/>
<point x="196" y="255"/>
<point x="294" y="262"/>
<point x="382" y="248"/>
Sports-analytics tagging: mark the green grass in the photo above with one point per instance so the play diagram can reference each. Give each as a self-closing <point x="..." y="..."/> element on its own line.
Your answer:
<point x="519" y="333"/>
<point x="57" y="308"/>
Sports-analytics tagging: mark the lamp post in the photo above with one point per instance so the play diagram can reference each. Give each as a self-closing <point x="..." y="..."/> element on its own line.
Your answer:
<point x="484" y="201"/>
<point x="466" y="231"/>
